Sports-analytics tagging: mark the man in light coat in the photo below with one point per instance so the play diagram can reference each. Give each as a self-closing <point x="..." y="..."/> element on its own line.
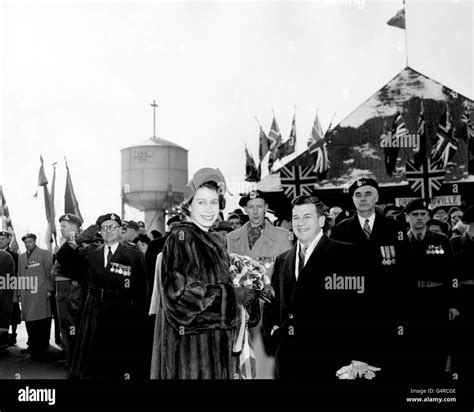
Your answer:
<point x="35" y="292"/>
<point x="262" y="242"/>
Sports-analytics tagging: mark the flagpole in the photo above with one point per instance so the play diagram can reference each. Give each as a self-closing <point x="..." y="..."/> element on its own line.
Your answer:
<point x="406" y="35"/>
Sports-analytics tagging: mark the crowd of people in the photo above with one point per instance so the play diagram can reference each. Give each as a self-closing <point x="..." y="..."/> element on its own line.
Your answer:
<point x="381" y="294"/>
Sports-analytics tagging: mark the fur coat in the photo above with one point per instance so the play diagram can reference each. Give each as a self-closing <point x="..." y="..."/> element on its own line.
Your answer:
<point x="196" y="312"/>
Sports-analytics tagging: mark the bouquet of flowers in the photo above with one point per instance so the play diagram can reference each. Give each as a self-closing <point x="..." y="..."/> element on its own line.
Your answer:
<point x="250" y="274"/>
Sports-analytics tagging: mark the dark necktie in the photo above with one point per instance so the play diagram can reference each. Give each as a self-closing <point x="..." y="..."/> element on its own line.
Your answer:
<point x="367" y="230"/>
<point x="302" y="256"/>
<point x="418" y="237"/>
<point x="109" y="256"/>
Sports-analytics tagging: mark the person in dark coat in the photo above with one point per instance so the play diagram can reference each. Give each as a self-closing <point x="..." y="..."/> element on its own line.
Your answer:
<point x="15" y="317"/>
<point x="430" y="271"/>
<point x="113" y="323"/>
<point x="463" y="249"/>
<point x="69" y="292"/>
<point x="319" y="295"/>
<point x="7" y="271"/>
<point x="382" y="245"/>
<point x="193" y="297"/>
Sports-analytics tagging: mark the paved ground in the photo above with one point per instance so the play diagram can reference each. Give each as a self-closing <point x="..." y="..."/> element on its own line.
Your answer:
<point x="16" y="365"/>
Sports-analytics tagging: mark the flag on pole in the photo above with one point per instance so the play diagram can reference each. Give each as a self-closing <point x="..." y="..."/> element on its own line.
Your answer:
<point x="421" y="155"/>
<point x="71" y="204"/>
<point x="51" y="228"/>
<point x="317" y="147"/>
<point x="7" y="221"/>
<point x="446" y="144"/>
<point x="466" y="119"/>
<point x="263" y="144"/>
<point x="251" y="171"/>
<point x="399" y="130"/>
<point x="288" y="147"/>
<point x="274" y="139"/>
<point x="398" y="20"/>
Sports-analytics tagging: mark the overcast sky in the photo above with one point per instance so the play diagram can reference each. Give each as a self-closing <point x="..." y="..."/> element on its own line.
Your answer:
<point x="77" y="80"/>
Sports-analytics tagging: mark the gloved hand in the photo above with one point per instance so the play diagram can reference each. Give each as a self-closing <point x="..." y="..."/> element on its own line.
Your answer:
<point x="243" y="295"/>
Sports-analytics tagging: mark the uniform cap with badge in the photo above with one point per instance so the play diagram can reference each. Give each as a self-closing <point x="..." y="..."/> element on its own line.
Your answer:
<point x="5" y="233"/>
<point x="132" y="225"/>
<point x="29" y="236"/>
<point x="253" y="194"/>
<point x="415" y="204"/>
<point x="365" y="181"/>
<point x="71" y="218"/>
<point x="109" y="216"/>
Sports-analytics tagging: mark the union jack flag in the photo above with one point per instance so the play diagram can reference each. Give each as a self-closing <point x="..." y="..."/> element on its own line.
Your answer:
<point x="428" y="177"/>
<point x="446" y="144"/>
<point x="317" y="145"/>
<point x="466" y="119"/>
<point x="297" y="180"/>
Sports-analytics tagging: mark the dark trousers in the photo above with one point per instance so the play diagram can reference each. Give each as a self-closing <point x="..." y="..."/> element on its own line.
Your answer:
<point x="69" y="301"/>
<point x="38" y="334"/>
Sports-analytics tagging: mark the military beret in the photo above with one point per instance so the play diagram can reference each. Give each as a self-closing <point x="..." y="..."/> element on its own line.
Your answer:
<point x="415" y="204"/>
<point x="29" y="236"/>
<point x="253" y="194"/>
<point x="71" y="218"/>
<point x="132" y="225"/>
<point x="5" y="233"/>
<point x="204" y="175"/>
<point x="443" y="226"/>
<point x="109" y="216"/>
<point x="175" y="219"/>
<point x="364" y="181"/>
<point x="468" y="216"/>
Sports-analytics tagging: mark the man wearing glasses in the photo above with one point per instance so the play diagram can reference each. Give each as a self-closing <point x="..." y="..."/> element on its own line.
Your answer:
<point x="113" y="325"/>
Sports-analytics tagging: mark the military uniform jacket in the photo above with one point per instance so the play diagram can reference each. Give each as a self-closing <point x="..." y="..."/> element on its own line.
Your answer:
<point x="36" y="305"/>
<point x="272" y="242"/>
<point x="463" y="251"/>
<point x="113" y="324"/>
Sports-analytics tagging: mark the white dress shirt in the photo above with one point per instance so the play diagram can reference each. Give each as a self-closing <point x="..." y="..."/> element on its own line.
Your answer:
<point x="371" y="221"/>
<point x="309" y="251"/>
<point x="106" y="251"/>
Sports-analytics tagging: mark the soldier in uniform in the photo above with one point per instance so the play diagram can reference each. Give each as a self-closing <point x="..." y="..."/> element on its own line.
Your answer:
<point x="263" y="242"/>
<point x="69" y="293"/>
<point x="431" y="295"/>
<point x="463" y="249"/>
<point x="382" y="248"/>
<point x="15" y="318"/>
<point x="113" y="325"/>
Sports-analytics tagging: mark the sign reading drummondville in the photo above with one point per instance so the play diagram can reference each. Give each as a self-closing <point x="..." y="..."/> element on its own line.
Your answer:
<point x="451" y="200"/>
<point x="142" y="155"/>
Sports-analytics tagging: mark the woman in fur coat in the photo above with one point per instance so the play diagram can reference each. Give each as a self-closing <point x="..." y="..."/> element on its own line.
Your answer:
<point x="193" y="297"/>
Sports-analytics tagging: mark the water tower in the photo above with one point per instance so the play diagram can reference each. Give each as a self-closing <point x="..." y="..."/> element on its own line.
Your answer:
<point x="154" y="174"/>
